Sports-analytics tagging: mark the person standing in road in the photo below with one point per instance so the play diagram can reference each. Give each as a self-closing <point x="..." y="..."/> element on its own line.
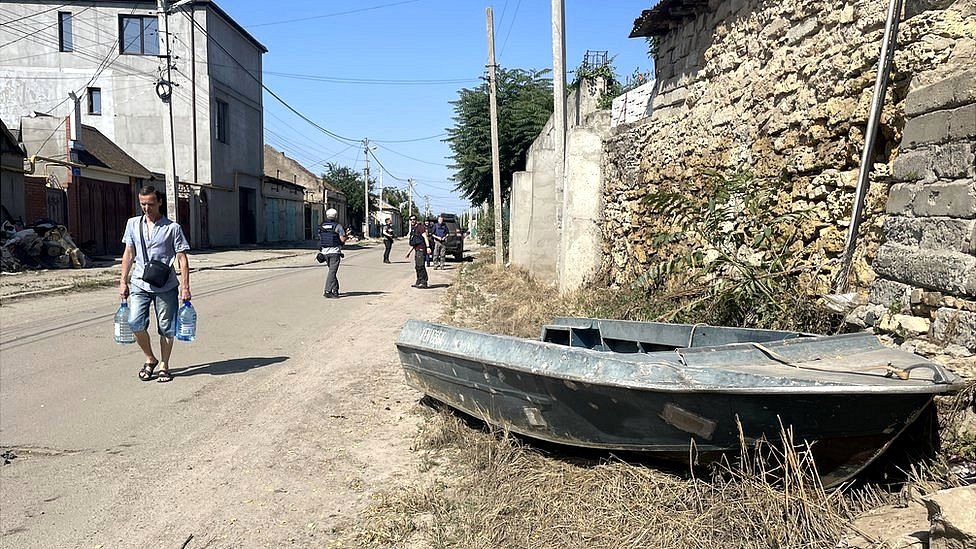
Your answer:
<point x="388" y="238"/>
<point x="152" y="242"/>
<point x="331" y="238"/>
<point x="420" y="247"/>
<point x="439" y="234"/>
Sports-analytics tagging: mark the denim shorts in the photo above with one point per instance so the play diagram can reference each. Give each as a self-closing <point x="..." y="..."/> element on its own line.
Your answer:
<point x="166" y="303"/>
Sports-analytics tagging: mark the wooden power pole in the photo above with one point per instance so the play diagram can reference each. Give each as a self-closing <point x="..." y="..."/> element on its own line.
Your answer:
<point x="496" y="181"/>
<point x="559" y="118"/>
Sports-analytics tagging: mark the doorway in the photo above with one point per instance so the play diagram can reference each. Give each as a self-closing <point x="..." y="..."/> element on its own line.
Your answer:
<point x="248" y="207"/>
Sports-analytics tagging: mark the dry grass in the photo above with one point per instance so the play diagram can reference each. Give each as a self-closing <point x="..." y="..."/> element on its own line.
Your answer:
<point x="484" y="488"/>
<point x="493" y="491"/>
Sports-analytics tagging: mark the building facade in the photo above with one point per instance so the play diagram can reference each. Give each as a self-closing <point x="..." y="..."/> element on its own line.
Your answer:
<point x="108" y="53"/>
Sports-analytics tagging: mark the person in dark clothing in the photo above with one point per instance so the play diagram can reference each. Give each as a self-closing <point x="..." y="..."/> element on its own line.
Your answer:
<point x="420" y="247"/>
<point x="331" y="238"/>
<point x="439" y="233"/>
<point x="388" y="239"/>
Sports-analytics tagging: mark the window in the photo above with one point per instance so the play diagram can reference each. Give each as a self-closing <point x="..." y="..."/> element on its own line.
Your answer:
<point x="94" y="100"/>
<point x="64" y="31"/>
<point x="138" y="35"/>
<point x="222" y="126"/>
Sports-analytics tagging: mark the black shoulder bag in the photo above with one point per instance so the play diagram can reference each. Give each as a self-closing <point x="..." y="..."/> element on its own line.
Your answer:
<point x="156" y="273"/>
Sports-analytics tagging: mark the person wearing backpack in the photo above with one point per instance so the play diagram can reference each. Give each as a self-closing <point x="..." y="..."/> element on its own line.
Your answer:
<point x="420" y="247"/>
<point x="388" y="238"/>
<point x="152" y="242"/>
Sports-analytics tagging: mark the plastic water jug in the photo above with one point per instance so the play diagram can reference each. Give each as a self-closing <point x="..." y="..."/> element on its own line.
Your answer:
<point x="186" y="322"/>
<point x="123" y="333"/>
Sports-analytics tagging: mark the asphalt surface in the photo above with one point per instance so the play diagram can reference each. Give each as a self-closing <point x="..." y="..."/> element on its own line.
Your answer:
<point x="285" y="414"/>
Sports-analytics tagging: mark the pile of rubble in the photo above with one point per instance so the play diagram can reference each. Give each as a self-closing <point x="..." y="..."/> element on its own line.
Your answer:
<point x="45" y="245"/>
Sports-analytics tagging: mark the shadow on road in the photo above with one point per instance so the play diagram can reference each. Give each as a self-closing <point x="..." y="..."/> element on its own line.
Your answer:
<point x="355" y="294"/>
<point x="232" y="366"/>
<point x="233" y="268"/>
<point x="435" y="286"/>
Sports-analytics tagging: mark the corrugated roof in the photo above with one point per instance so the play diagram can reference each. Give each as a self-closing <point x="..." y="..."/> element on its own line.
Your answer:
<point x="667" y="15"/>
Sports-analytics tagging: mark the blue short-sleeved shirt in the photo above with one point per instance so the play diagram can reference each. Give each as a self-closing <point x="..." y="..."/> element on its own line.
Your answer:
<point x="163" y="244"/>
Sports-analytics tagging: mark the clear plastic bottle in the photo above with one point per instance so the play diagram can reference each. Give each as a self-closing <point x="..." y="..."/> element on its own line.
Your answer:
<point x="123" y="333"/>
<point x="186" y="322"/>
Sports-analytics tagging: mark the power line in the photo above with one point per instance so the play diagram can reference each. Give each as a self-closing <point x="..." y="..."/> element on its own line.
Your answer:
<point x="34" y="14"/>
<point x="14" y="41"/>
<point x="409" y="140"/>
<point x="510" y="26"/>
<point x="413" y="158"/>
<point x="368" y="81"/>
<point x="382" y="167"/>
<point x="331" y="14"/>
<point x="267" y="89"/>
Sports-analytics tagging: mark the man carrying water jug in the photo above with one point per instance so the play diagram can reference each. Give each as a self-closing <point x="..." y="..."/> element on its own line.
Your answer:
<point x="151" y="243"/>
<point x="331" y="238"/>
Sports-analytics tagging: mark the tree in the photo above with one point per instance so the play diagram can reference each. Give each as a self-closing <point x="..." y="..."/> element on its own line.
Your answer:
<point x="524" y="107"/>
<point x="350" y="182"/>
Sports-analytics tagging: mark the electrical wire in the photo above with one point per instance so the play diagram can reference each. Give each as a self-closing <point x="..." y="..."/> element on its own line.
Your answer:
<point x="408" y="140"/>
<point x="386" y="82"/>
<point x="331" y="14"/>
<point x="35" y="14"/>
<point x="512" y="24"/>
<point x="411" y="157"/>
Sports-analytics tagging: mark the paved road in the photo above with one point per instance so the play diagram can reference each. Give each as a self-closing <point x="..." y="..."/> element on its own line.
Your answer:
<point x="286" y="413"/>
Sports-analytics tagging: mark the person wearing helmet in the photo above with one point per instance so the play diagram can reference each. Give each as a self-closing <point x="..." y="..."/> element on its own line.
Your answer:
<point x="331" y="238"/>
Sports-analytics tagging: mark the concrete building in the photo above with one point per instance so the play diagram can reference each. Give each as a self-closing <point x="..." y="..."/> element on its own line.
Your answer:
<point x="107" y="52"/>
<point x="81" y="179"/>
<point x="11" y="177"/>
<point x="387" y="211"/>
<point x="319" y="195"/>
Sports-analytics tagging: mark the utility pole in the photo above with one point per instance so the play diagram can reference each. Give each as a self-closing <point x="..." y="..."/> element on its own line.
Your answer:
<point x="496" y="181"/>
<point x="409" y="197"/>
<point x="366" y="188"/>
<point x="426" y="206"/>
<point x="559" y="116"/>
<point x="165" y="93"/>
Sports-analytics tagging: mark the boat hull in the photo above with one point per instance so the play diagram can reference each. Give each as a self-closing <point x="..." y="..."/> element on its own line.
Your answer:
<point x="846" y="432"/>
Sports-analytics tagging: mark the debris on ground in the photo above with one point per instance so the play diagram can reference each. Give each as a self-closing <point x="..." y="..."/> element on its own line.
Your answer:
<point x="45" y="245"/>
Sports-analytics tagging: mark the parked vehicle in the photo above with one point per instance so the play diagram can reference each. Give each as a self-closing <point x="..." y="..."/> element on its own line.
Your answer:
<point x="454" y="243"/>
<point x="669" y="389"/>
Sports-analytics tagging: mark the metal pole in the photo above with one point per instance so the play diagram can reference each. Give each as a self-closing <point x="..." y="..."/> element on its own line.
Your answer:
<point x="885" y="59"/>
<point x="366" y="188"/>
<point x="496" y="181"/>
<point x="409" y="197"/>
<point x="171" y="209"/>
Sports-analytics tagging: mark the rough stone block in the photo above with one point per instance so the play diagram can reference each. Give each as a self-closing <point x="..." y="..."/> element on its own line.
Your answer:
<point x="957" y="199"/>
<point x="913" y="165"/>
<point x="901" y="197"/>
<point x="949" y="272"/>
<point x="962" y="122"/>
<point x="955" y="160"/>
<point x="946" y="234"/>
<point x="932" y="127"/>
<point x="801" y="30"/>
<point x="890" y="294"/>
<point x="955" y="326"/>
<point x="946" y="94"/>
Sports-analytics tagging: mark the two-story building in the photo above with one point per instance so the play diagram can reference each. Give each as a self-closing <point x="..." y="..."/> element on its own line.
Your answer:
<point x="111" y="54"/>
<point x="319" y="194"/>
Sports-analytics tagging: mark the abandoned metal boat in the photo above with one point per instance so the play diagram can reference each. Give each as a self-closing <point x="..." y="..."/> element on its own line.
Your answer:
<point x="663" y="388"/>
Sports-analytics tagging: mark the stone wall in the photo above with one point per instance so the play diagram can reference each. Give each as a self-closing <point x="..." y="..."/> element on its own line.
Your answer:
<point x="782" y="89"/>
<point x="927" y="264"/>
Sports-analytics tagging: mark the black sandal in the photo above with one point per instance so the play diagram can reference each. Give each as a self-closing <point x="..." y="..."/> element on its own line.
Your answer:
<point x="164" y="376"/>
<point x="146" y="373"/>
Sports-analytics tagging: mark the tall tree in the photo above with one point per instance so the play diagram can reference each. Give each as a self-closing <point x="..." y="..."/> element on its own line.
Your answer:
<point x="524" y="107"/>
<point x="350" y="182"/>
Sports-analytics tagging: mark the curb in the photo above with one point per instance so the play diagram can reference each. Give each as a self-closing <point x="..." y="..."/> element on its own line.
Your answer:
<point x="68" y="288"/>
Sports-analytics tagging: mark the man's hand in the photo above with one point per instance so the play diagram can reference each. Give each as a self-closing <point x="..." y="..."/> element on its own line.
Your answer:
<point x="123" y="289"/>
<point x="184" y="293"/>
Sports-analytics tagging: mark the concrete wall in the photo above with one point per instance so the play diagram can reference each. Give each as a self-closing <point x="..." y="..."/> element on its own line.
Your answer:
<point x="633" y="106"/>
<point x="567" y="255"/>
<point x="35" y="76"/>
<point x="533" y="229"/>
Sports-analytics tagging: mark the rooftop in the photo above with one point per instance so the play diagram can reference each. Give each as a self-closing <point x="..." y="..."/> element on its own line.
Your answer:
<point x="667" y="15"/>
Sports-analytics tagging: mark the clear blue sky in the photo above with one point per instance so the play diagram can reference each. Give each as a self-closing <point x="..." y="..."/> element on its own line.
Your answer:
<point x="408" y="40"/>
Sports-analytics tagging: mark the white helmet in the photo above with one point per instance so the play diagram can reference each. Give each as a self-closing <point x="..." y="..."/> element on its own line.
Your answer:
<point x="331" y="213"/>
